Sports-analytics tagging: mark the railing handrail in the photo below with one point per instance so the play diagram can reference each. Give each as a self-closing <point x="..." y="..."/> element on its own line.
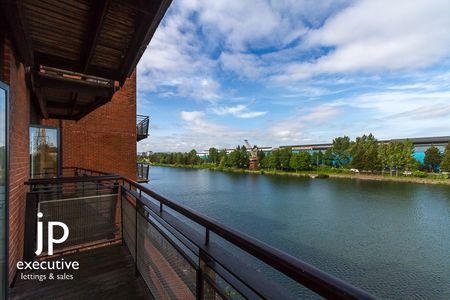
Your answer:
<point x="56" y="180"/>
<point x="304" y="273"/>
<point x="307" y="275"/>
<point x="141" y="119"/>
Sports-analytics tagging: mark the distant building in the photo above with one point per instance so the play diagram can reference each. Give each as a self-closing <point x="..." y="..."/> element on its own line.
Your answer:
<point x="420" y="145"/>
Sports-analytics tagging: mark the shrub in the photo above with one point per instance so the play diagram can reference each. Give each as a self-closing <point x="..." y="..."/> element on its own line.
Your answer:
<point x="418" y="173"/>
<point x="443" y="176"/>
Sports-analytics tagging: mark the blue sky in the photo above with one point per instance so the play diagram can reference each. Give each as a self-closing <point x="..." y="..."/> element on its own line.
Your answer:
<point x="286" y="72"/>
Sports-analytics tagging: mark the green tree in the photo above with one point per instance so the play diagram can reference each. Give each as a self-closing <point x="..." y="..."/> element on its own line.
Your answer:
<point x="341" y="150"/>
<point x="213" y="156"/>
<point x="193" y="159"/>
<point x="432" y="158"/>
<point x="394" y="159"/>
<point x="445" y="163"/>
<point x="383" y="156"/>
<point x="408" y="161"/>
<point x="238" y="158"/>
<point x="328" y="157"/>
<point x="273" y="160"/>
<point x="261" y="155"/>
<point x="365" y="153"/>
<point x="300" y="161"/>
<point x="285" y="157"/>
<point x="317" y="158"/>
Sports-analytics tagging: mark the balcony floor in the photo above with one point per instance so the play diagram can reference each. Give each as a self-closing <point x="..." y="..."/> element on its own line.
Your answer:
<point x="105" y="273"/>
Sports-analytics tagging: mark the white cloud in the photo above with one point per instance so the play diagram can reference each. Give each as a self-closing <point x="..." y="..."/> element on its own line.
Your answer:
<point x="239" y="111"/>
<point x="378" y="35"/>
<point x="329" y="59"/>
<point x="192" y="116"/>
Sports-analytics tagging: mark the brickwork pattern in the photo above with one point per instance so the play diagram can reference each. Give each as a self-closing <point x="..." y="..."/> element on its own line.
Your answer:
<point x="19" y="167"/>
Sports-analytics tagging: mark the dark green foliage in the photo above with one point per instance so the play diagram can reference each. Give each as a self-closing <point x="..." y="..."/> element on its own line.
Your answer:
<point x="432" y="158"/>
<point x="364" y="153"/>
<point x="300" y="161"/>
<point x="419" y="174"/>
<point x="317" y="159"/>
<point x="285" y="158"/>
<point x="213" y="156"/>
<point x="445" y="163"/>
<point x="328" y="157"/>
<point x="341" y="151"/>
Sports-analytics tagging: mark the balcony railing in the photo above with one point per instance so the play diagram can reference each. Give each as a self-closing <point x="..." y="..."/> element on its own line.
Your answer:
<point x="142" y="124"/>
<point x="179" y="253"/>
<point x="142" y="172"/>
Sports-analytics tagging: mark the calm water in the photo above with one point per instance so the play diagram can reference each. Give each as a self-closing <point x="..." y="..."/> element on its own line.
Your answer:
<point x="392" y="239"/>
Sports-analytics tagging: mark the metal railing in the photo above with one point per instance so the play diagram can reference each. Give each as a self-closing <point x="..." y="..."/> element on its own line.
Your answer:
<point x="142" y="124"/>
<point x="142" y="172"/>
<point x="183" y="254"/>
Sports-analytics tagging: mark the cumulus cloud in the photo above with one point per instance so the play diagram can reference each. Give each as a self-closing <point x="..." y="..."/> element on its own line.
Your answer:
<point x="342" y="67"/>
<point x="378" y="35"/>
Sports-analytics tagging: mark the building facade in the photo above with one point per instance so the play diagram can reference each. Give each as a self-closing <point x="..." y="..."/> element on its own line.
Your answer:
<point x="67" y="98"/>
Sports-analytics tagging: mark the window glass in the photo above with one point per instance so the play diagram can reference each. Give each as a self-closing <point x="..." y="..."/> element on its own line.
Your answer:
<point x="3" y="190"/>
<point x="44" y="146"/>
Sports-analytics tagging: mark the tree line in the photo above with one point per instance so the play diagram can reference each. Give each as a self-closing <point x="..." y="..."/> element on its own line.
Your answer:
<point x="365" y="153"/>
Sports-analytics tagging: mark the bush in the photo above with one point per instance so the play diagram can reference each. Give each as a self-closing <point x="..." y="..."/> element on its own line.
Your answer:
<point x="443" y="176"/>
<point x="418" y="173"/>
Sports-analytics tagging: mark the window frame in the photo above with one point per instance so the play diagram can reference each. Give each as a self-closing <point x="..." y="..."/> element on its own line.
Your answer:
<point x="5" y="283"/>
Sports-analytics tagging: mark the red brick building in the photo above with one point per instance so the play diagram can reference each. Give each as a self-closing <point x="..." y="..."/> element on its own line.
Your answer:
<point x="85" y="45"/>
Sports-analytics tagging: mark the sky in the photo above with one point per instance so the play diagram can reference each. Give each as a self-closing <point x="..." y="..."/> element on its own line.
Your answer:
<point x="285" y="72"/>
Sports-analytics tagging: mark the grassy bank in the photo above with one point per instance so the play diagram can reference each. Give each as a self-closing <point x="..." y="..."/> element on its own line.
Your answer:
<point x="325" y="173"/>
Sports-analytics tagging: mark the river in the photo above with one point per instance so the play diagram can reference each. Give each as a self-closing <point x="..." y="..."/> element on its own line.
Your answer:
<point x="391" y="239"/>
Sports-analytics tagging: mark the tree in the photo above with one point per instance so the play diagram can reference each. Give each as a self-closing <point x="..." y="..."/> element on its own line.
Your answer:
<point x="300" y="161"/>
<point x="261" y="155"/>
<point x="193" y="159"/>
<point x="273" y="160"/>
<point x="432" y="158"/>
<point x="213" y="156"/>
<point x="328" y="157"/>
<point x="341" y="150"/>
<point x="365" y="153"/>
<point x="408" y="161"/>
<point x="317" y="158"/>
<point x="383" y="156"/>
<point x="285" y="157"/>
<point x="394" y="156"/>
<point x="445" y="163"/>
<point x="239" y="158"/>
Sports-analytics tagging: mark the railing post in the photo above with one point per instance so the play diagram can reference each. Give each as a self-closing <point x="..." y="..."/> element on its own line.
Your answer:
<point x="121" y="213"/>
<point x="202" y="257"/>
<point x="30" y="226"/>
<point x="136" y="239"/>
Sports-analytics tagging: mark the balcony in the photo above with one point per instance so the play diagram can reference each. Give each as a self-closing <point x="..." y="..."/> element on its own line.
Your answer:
<point x="132" y="243"/>
<point x="142" y="172"/>
<point x="142" y="127"/>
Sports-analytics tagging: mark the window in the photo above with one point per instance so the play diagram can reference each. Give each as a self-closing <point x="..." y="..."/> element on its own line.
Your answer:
<point x="3" y="184"/>
<point x="44" y="152"/>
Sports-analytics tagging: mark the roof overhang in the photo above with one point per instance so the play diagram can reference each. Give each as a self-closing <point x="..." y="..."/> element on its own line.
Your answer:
<point x="94" y="38"/>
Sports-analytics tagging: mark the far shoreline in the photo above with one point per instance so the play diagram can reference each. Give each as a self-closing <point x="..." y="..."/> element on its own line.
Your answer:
<point x="314" y="174"/>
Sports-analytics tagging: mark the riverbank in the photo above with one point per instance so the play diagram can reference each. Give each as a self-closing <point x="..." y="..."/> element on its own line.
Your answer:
<point x="344" y="174"/>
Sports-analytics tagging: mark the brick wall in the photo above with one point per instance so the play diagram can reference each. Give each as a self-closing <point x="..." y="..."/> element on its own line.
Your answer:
<point x="19" y="168"/>
<point x="104" y="140"/>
